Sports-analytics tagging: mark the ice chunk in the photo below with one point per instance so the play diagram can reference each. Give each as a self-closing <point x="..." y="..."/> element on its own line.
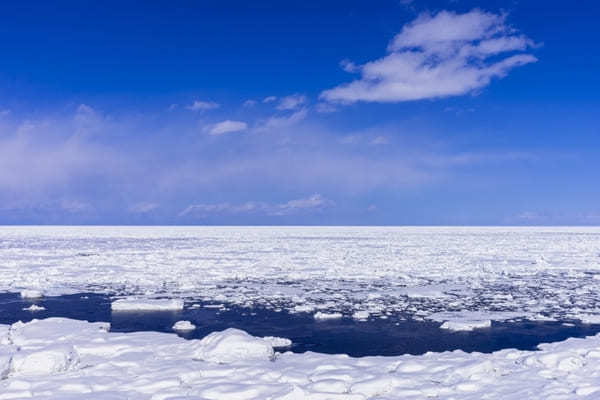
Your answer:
<point x="323" y="316"/>
<point x="34" y="307"/>
<point x="146" y="305"/>
<point x="31" y="294"/>
<point x="184" y="326"/>
<point x="361" y="315"/>
<point x="278" y="341"/>
<point x="233" y="345"/>
<point x="466" y="325"/>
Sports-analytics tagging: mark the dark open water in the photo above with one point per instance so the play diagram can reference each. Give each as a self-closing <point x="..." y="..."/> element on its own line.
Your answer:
<point x="374" y="337"/>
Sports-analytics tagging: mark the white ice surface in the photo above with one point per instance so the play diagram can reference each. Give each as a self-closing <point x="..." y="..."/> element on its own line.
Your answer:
<point x="184" y="326"/>
<point x="415" y="271"/>
<point x="146" y="305"/>
<point x="66" y="359"/>
<point x="34" y="308"/>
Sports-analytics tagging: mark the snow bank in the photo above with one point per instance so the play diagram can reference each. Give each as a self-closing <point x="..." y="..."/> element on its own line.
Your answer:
<point x="146" y="305"/>
<point x="183" y="326"/>
<point x="233" y="345"/>
<point x="63" y="359"/>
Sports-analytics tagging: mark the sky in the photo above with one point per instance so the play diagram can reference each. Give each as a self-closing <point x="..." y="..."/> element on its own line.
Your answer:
<point x="392" y="112"/>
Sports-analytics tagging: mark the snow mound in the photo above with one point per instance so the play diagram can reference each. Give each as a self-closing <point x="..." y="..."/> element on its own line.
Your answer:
<point x="31" y="294"/>
<point x="45" y="361"/>
<point x="183" y="326"/>
<point x="146" y="305"/>
<point x="324" y="316"/>
<point x="233" y="345"/>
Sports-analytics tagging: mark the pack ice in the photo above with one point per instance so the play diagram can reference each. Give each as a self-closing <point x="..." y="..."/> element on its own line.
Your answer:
<point x="540" y="273"/>
<point x="59" y="358"/>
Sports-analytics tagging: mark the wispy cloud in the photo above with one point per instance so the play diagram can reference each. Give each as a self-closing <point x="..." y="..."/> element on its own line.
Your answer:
<point x="311" y="204"/>
<point x="269" y="99"/>
<point x="281" y="122"/>
<point x="445" y="54"/>
<point x="292" y="102"/>
<point x="199" y="105"/>
<point x="143" y="208"/>
<point x="227" y="126"/>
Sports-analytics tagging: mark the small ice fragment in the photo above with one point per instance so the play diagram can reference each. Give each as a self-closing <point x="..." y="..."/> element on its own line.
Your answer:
<point x="303" y="308"/>
<point x="466" y="325"/>
<point x="361" y="315"/>
<point x="146" y="305"/>
<point x="322" y="315"/>
<point x="184" y="326"/>
<point x="34" y="307"/>
<point x="31" y="294"/>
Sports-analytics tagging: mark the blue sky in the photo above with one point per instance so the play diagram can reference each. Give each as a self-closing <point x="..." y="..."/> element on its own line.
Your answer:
<point x="354" y="112"/>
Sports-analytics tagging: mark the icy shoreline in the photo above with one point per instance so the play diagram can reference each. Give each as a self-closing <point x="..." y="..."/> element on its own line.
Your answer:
<point x="68" y="359"/>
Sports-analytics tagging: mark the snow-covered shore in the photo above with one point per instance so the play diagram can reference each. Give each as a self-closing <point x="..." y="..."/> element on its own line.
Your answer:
<point x="66" y="359"/>
<point x="539" y="273"/>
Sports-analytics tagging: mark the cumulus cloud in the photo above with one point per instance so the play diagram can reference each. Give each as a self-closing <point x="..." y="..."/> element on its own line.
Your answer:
<point x="311" y="204"/>
<point x="441" y="55"/>
<point x="292" y="102"/>
<point x="227" y="126"/>
<point x="199" y="105"/>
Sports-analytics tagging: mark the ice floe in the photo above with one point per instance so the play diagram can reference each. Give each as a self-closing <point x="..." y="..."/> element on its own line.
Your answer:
<point x="146" y="305"/>
<point x="34" y="308"/>
<point x="545" y="272"/>
<point x="66" y="359"/>
<point x="183" y="326"/>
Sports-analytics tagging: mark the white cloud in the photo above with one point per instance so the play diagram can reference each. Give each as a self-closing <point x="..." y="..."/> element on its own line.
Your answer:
<point x="227" y="126"/>
<point x="446" y="54"/>
<point x="311" y="204"/>
<point x="279" y="122"/>
<point x="203" y="105"/>
<point x="269" y="99"/>
<point x="249" y="103"/>
<point x="379" y="140"/>
<point x="292" y="102"/>
<point x="143" y="208"/>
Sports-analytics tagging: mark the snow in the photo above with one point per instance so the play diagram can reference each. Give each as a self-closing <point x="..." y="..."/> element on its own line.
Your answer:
<point x="183" y="326"/>
<point x="233" y="345"/>
<point x="68" y="359"/>
<point x="146" y="305"/>
<point x="34" y="308"/>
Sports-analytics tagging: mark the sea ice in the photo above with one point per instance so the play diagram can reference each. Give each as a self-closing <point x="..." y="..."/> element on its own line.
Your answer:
<point x="146" y="305"/>
<point x="183" y="326"/>
<point x="59" y="358"/>
<point x="34" y="308"/>
<point x="31" y="294"/>
<point x="323" y="316"/>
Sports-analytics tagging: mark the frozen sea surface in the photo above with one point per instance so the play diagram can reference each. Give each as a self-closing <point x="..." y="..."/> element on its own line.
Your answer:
<point x="539" y="273"/>
<point x="373" y="337"/>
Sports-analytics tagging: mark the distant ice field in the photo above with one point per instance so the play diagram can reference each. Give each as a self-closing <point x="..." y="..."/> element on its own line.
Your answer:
<point x="463" y="275"/>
